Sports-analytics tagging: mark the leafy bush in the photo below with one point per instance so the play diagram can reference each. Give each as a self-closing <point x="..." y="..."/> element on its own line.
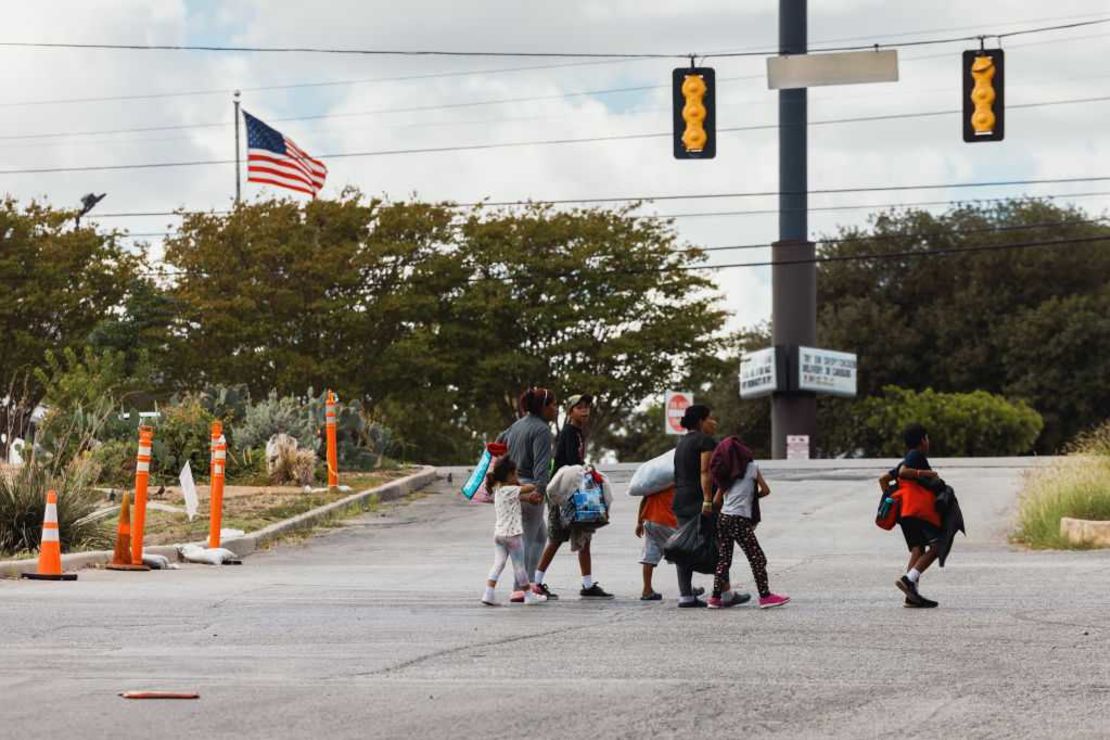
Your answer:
<point x="247" y="467"/>
<point x="23" y="505"/>
<point x="183" y="433"/>
<point x="959" y="424"/>
<point x="275" y="415"/>
<point x="115" y="462"/>
<point x="1078" y="486"/>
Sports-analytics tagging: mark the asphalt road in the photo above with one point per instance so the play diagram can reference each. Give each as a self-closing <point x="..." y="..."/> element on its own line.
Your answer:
<point x="375" y="630"/>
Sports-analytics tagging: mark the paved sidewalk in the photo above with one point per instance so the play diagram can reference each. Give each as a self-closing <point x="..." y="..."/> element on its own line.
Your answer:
<point x="375" y="630"/>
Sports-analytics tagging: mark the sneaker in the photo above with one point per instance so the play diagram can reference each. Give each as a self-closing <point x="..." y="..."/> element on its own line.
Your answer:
<point x="653" y="596"/>
<point x="531" y="598"/>
<point x="492" y="602"/>
<point x="772" y="600"/>
<point x="925" y="604"/>
<point x="739" y="597"/>
<point x="543" y="589"/>
<point x="699" y="591"/>
<point x="716" y="602"/>
<point x="909" y="588"/>
<point x="595" y="592"/>
<point x="517" y="597"/>
<point x="695" y="604"/>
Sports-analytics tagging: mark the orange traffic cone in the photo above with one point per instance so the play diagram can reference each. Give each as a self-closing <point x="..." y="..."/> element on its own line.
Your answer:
<point x="50" y="549"/>
<point x="121" y="559"/>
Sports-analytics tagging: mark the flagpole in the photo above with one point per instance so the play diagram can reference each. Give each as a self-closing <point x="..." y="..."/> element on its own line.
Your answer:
<point x="238" y="193"/>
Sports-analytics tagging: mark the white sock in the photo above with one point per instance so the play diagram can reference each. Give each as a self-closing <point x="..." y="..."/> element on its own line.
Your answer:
<point x="587" y="581"/>
<point x="488" y="595"/>
<point x="914" y="575"/>
<point x="686" y="599"/>
<point x="538" y="580"/>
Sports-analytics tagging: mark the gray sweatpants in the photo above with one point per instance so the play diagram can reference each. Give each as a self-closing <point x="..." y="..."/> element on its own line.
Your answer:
<point x="535" y="534"/>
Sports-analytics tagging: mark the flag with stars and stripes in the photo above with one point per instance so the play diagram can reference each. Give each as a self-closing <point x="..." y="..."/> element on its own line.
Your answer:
<point x="274" y="159"/>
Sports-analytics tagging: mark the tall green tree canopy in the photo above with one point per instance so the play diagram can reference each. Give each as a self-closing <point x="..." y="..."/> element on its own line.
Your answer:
<point x="1027" y="323"/>
<point x="437" y="317"/>
<point x="59" y="282"/>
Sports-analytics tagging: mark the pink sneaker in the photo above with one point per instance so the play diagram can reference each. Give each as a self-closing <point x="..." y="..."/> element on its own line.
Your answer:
<point x="772" y="600"/>
<point x="517" y="597"/>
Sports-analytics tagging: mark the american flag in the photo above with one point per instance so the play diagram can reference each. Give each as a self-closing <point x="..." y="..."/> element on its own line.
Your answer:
<point x="273" y="159"/>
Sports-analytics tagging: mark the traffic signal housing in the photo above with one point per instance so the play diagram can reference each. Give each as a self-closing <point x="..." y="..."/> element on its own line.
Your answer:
<point x="984" y="104"/>
<point x="695" y="112"/>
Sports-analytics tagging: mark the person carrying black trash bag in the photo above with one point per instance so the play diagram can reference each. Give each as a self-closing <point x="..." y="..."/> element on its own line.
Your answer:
<point x="912" y="488"/>
<point x="693" y="498"/>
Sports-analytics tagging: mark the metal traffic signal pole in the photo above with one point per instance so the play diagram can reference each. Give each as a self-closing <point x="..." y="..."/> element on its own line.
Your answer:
<point x="793" y="286"/>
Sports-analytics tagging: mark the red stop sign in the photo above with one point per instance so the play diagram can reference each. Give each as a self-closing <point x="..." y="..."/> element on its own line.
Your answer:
<point x="675" y="407"/>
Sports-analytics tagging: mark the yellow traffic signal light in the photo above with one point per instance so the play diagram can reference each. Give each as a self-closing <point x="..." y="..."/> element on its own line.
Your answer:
<point x="693" y="113"/>
<point x="982" y="90"/>
<point x="695" y="135"/>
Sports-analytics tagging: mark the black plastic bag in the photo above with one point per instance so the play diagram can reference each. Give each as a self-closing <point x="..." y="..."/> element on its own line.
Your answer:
<point x="694" y="545"/>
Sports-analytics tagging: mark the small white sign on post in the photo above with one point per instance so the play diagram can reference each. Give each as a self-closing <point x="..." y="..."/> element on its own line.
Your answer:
<point x="843" y="68"/>
<point x="797" y="447"/>
<point x="674" y="407"/>
<point x="826" y="371"/>
<point x="757" y="373"/>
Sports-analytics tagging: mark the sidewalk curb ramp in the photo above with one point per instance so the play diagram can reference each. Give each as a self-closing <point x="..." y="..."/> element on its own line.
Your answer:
<point x="251" y="541"/>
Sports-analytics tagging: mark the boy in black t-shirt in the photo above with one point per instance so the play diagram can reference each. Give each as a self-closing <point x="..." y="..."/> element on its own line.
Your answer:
<point x="918" y="517"/>
<point x="570" y="449"/>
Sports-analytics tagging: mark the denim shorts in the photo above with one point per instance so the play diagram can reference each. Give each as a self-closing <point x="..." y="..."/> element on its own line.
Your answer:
<point x="655" y="536"/>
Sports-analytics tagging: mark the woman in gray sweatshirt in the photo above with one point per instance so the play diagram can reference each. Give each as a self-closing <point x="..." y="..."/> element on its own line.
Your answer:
<point x="530" y="444"/>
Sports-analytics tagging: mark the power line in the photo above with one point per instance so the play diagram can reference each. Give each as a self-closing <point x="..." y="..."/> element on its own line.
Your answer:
<point x="394" y="110"/>
<point x="519" y="54"/>
<point x="303" y="85"/>
<point x="435" y="75"/>
<point x="895" y="237"/>
<point x="865" y="206"/>
<point x="544" y="142"/>
<point x="928" y="253"/>
<point x="769" y="193"/>
<point x="911" y="253"/>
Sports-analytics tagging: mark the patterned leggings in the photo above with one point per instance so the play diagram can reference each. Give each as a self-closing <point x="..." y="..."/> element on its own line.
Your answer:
<point x="739" y="529"/>
<point x="505" y="548"/>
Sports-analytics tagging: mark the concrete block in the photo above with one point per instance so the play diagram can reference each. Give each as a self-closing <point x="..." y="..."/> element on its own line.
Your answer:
<point x="1085" y="531"/>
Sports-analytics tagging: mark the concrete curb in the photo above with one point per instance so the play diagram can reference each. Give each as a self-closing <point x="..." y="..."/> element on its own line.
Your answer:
<point x="1085" y="531"/>
<point x="252" y="541"/>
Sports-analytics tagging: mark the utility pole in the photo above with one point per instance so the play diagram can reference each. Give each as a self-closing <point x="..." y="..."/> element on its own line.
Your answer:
<point x="793" y="286"/>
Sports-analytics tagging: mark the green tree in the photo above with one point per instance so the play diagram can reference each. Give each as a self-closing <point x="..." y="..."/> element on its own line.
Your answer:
<point x="586" y="300"/>
<point x="58" y="282"/>
<point x="954" y="323"/>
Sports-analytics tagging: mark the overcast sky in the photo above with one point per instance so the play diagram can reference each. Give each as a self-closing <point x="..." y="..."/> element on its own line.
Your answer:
<point x="1045" y="142"/>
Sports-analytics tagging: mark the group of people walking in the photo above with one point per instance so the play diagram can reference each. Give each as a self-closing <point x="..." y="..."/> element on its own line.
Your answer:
<point x="716" y="480"/>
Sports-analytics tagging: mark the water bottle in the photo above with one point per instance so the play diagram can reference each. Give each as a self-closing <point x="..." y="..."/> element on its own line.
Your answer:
<point x="884" y="507"/>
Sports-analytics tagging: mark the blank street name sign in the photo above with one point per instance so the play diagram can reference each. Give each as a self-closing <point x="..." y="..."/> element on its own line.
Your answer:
<point x="845" y="68"/>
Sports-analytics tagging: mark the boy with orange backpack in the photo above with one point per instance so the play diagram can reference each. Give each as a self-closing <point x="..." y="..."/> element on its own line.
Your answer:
<point x="912" y="505"/>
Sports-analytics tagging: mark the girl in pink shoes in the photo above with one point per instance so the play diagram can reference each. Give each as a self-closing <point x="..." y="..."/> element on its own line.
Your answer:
<point x="508" y="531"/>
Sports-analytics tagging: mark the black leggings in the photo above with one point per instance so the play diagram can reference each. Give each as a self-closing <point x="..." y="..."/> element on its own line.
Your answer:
<point x="739" y="529"/>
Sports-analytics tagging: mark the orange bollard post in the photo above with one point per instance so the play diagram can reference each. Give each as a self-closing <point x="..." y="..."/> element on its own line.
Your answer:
<point x="50" y="546"/>
<point x="121" y="558"/>
<point x="216" y="495"/>
<point x="142" y="480"/>
<point x="333" y="450"/>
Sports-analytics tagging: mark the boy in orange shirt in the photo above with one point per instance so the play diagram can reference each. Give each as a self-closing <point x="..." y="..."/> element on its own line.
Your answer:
<point x="917" y="513"/>
<point x="655" y="524"/>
